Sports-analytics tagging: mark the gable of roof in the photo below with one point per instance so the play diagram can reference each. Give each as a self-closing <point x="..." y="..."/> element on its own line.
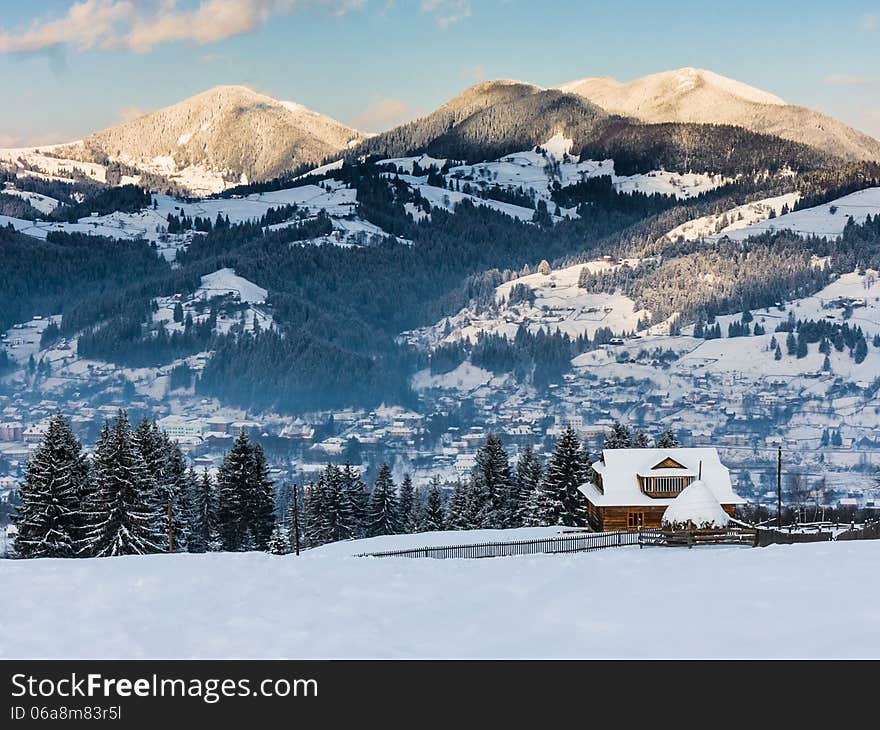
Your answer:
<point x="668" y="463"/>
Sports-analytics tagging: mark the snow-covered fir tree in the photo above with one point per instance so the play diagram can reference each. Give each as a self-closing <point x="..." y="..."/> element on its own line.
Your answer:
<point x="122" y="512"/>
<point x="204" y="530"/>
<point x="432" y="515"/>
<point x="279" y="543"/>
<point x="315" y="523"/>
<point x="261" y="502"/>
<point x="341" y="521"/>
<point x="528" y="479"/>
<point x="619" y="437"/>
<point x="416" y="518"/>
<point x="48" y="515"/>
<point x="407" y="505"/>
<point x="246" y="497"/>
<point x="383" y="517"/>
<point x="456" y="517"/>
<point x="563" y="503"/>
<point x="668" y="440"/>
<point x="493" y="494"/>
<point x="355" y="490"/>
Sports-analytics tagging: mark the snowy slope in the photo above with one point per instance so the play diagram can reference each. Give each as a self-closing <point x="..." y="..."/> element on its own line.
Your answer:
<point x="740" y="217"/>
<point x="808" y="600"/>
<point x="559" y="304"/>
<point x="536" y="172"/>
<point x="225" y="281"/>
<point x="42" y="203"/>
<point x="339" y="201"/>
<point x="828" y="219"/>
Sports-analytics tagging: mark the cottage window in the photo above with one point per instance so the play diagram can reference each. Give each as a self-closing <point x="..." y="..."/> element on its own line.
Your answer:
<point x="635" y="519"/>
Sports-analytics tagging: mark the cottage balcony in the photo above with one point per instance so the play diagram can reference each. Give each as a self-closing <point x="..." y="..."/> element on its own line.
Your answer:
<point x="665" y="483"/>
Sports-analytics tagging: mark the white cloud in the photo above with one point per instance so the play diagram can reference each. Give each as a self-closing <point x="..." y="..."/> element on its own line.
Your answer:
<point x="382" y="114"/>
<point x="447" y="12"/>
<point x="86" y="24"/>
<point x="870" y="21"/>
<point x="141" y="24"/>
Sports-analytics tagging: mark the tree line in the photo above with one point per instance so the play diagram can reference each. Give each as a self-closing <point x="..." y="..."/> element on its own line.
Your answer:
<point x="136" y="495"/>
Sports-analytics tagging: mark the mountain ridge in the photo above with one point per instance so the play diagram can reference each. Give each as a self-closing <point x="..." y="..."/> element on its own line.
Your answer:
<point x="693" y="95"/>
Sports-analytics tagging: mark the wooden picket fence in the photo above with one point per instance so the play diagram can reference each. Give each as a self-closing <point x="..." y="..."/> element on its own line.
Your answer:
<point x="577" y="543"/>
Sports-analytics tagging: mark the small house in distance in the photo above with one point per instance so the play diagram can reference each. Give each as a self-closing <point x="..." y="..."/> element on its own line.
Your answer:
<point x="633" y="487"/>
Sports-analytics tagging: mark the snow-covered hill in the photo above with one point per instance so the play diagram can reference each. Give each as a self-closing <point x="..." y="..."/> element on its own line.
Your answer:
<point x="697" y="95"/>
<point x="559" y="304"/>
<point x="827" y="220"/>
<point x="781" y="601"/>
<point x="151" y="224"/>
<point x="740" y="217"/>
<point x="222" y="137"/>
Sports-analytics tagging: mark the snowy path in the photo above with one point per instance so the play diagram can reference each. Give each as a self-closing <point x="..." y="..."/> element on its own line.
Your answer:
<point x="815" y="600"/>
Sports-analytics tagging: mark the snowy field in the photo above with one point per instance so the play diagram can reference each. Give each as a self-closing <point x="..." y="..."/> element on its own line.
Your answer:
<point x="810" y="600"/>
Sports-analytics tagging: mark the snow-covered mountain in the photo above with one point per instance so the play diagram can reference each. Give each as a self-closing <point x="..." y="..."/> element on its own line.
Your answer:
<point x="228" y="129"/>
<point x="491" y="119"/>
<point x="224" y="136"/>
<point x="700" y="96"/>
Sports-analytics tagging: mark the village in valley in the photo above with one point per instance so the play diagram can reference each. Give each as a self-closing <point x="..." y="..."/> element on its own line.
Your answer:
<point x="728" y="393"/>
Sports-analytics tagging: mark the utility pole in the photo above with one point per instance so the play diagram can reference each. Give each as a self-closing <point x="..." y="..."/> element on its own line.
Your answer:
<point x="779" y="486"/>
<point x="296" y="518"/>
<point x="170" y="529"/>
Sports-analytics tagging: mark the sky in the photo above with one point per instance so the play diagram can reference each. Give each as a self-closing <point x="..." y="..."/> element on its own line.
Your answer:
<point x="70" y="67"/>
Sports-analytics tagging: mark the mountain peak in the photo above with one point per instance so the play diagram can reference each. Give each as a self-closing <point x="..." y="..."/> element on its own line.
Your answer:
<point x="232" y="133"/>
<point x="698" y="96"/>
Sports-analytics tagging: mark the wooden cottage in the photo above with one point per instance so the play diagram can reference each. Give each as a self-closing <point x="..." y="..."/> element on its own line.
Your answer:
<point x="633" y="487"/>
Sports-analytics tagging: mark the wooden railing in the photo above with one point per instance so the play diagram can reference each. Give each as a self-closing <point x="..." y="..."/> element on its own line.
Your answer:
<point x="564" y="544"/>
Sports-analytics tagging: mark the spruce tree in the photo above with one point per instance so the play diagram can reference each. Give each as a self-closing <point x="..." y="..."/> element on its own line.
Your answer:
<point x="432" y="517"/>
<point x="668" y="440"/>
<point x="317" y="529"/>
<point x="233" y="486"/>
<point x="406" y="503"/>
<point x="279" y="543"/>
<point x="339" y="512"/>
<point x="123" y="515"/>
<point x="355" y="491"/>
<point x="48" y="515"/>
<point x="563" y="502"/>
<point x="493" y="493"/>
<point x="528" y="479"/>
<point x="260" y="511"/>
<point x="203" y="510"/>
<point x="619" y="437"/>
<point x="456" y="508"/>
<point x="383" y="517"/>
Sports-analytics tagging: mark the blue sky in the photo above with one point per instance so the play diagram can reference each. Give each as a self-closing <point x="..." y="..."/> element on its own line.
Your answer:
<point x="73" y="66"/>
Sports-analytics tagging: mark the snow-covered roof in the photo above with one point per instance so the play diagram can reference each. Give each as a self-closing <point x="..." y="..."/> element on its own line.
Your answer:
<point x="619" y="469"/>
<point x="697" y="505"/>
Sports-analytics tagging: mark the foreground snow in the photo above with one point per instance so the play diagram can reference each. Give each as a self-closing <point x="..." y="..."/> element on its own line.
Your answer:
<point x="809" y="600"/>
